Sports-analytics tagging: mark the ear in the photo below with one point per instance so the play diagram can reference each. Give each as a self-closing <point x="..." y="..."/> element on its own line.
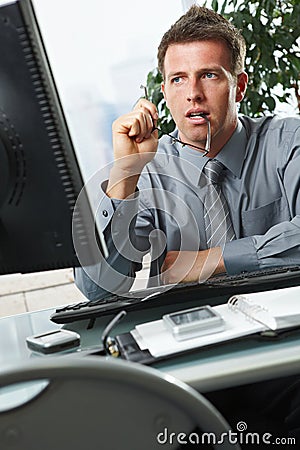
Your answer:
<point x="162" y="86"/>
<point x="242" y="81"/>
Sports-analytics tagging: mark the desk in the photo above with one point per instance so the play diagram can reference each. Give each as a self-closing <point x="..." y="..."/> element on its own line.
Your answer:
<point x="208" y="370"/>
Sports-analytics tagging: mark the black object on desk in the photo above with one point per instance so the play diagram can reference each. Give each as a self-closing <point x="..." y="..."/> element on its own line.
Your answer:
<point x="225" y="285"/>
<point x="127" y="348"/>
<point x="44" y="209"/>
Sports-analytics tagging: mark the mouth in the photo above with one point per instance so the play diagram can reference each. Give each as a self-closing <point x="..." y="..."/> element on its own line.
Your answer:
<point x="196" y="118"/>
<point x="197" y="114"/>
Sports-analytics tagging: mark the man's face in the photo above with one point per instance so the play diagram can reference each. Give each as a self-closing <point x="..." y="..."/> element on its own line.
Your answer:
<point x="198" y="80"/>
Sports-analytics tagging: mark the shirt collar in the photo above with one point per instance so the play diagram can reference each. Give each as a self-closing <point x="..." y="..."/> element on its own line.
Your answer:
<point x="232" y="154"/>
<point x="194" y="158"/>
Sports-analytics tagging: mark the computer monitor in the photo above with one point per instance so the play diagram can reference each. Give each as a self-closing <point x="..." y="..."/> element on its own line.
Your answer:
<point x="40" y="178"/>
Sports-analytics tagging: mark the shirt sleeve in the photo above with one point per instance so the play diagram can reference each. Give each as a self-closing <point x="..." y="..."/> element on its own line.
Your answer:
<point x="126" y="249"/>
<point x="280" y="245"/>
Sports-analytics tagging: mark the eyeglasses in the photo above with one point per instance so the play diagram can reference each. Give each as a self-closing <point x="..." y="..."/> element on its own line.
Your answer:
<point x="174" y="139"/>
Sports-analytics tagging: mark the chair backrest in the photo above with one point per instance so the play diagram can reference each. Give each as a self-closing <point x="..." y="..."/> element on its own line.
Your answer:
<point x="94" y="403"/>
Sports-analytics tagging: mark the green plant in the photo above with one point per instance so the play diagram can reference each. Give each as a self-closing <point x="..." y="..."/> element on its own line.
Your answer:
<point x="165" y="121"/>
<point x="271" y="30"/>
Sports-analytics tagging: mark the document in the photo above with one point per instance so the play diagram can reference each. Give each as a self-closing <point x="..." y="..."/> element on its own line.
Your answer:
<point x="243" y="315"/>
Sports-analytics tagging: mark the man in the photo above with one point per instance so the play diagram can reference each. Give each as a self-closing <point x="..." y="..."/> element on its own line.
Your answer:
<point x="157" y="190"/>
<point x="161" y="197"/>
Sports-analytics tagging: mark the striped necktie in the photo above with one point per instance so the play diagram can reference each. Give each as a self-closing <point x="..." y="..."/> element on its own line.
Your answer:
<point x="218" y="225"/>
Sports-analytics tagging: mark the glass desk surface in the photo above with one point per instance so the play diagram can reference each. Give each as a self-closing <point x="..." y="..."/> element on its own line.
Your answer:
<point x="209" y="369"/>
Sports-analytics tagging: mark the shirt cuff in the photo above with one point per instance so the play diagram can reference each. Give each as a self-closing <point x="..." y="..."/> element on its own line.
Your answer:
<point x="240" y="256"/>
<point x="108" y="207"/>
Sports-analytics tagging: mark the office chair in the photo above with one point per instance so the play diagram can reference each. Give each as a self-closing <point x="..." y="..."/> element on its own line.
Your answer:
<point x="93" y="403"/>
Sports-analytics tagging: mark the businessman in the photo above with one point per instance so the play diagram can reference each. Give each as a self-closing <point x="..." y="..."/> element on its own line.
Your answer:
<point x="226" y="204"/>
<point x="226" y="201"/>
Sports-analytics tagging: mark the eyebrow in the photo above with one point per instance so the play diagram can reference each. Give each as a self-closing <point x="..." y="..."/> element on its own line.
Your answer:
<point x="218" y="69"/>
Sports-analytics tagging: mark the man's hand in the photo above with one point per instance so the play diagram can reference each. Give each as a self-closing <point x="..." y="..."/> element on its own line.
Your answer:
<point x="189" y="266"/>
<point x="135" y="144"/>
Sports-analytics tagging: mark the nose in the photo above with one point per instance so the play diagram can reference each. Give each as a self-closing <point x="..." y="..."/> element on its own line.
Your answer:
<point x="195" y="93"/>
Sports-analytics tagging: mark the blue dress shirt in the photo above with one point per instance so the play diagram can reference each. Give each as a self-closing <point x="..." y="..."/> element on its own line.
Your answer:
<point x="261" y="183"/>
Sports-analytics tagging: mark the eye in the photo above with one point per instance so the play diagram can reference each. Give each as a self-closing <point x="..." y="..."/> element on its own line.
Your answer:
<point x="176" y="80"/>
<point x="209" y="75"/>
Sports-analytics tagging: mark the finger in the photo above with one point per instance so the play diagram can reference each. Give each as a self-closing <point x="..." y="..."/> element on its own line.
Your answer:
<point x="142" y="127"/>
<point x="135" y="128"/>
<point x="147" y="106"/>
<point x="150" y="125"/>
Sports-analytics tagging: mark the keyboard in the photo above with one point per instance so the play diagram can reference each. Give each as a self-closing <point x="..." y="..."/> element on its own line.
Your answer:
<point x="220" y="285"/>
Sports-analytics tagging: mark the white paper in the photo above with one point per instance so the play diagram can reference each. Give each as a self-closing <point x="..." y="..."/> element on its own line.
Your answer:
<point x="159" y="340"/>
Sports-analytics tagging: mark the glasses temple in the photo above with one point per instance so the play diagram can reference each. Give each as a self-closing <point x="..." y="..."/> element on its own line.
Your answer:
<point x="208" y="136"/>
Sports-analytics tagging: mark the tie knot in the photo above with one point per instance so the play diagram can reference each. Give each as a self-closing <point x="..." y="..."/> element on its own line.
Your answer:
<point x="212" y="170"/>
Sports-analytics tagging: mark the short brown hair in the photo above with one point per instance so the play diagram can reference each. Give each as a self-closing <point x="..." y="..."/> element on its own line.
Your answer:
<point x="203" y="24"/>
